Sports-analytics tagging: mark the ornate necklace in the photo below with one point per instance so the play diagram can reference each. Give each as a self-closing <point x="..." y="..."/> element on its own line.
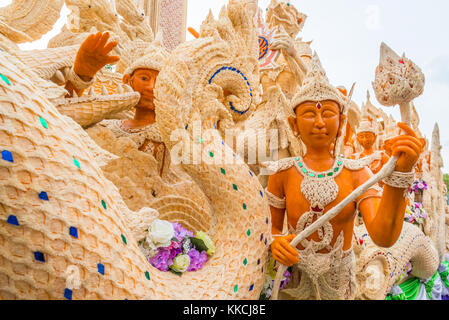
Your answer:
<point x="320" y="189"/>
<point x="151" y="131"/>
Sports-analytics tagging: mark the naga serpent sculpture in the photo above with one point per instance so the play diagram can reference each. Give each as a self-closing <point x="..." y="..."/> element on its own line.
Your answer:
<point x="58" y="212"/>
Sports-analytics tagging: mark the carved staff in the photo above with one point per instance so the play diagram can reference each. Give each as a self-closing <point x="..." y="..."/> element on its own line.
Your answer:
<point x="394" y="84"/>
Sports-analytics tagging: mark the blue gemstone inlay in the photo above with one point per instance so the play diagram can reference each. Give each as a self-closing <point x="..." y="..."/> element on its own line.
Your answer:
<point x="68" y="294"/>
<point x="261" y="193"/>
<point x="39" y="256"/>
<point x="43" y="196"/>
<point x="266" y="221"/>
<point x="258" y="262"/>
<point x="101" y="268"/>
<point x="73" y="232"/>
<point x="7" y="156"/>
<point x="251" y="287"/>
<point x="13" y="220"/>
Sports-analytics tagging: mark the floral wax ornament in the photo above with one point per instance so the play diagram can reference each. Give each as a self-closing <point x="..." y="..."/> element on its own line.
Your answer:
<point x="207" y="241"/>
<point x="181" y="263"/>
<point x="161" y="233"/>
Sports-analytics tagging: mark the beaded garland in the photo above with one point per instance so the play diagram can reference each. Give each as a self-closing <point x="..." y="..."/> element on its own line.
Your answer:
<point x="232" y="69"/>
<point x="320" y="189"/>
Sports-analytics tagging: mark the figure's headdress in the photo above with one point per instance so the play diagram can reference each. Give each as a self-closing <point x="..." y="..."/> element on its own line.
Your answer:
<point x="366" y="126"/>
<point x="391" y="129"/>
<point x="366" y="123"/>
<point x="316" y="88"/>
<point x="154" y="57"/>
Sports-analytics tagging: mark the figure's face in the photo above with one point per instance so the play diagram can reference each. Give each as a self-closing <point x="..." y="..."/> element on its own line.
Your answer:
<point x="366" y="139"/>
<point x="318" y="124"/>
<point x="143" y="81"/>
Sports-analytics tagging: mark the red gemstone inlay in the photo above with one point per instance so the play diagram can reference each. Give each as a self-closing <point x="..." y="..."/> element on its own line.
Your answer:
<point x="317" y="209"/>
<point x="401" y="61"/>
<point x="319" y="106"/>
<point x="361" y="241"/>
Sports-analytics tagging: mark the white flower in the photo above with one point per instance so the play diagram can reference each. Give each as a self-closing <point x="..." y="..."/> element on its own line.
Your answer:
<point x="160" y="233"/>
<point x="181" y="263"/>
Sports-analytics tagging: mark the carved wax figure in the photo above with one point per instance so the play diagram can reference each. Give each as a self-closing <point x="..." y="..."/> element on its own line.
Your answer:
<point x="142" y="129"/>
<point x="296" y="54"/>
<point x="306" y="188"/>
<point x="366" y="137"/>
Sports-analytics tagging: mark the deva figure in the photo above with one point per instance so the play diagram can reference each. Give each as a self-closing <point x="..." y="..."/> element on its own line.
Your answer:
<point x="307" y="187"/>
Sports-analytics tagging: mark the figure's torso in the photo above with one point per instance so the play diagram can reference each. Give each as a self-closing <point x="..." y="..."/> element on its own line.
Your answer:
<point x="297" y="205"/>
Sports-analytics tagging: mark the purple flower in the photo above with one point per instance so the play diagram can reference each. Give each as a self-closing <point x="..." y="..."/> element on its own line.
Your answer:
<point x="180" y="232"/>
<point x="164" y="258"/>
<point x="286" y="280"/>
<point x="197" y="259"/>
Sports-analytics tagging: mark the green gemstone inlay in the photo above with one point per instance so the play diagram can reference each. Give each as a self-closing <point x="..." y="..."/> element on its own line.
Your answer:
<point x="223" y="171"/>
<point x="244" y="206"/>
<point x="5" y="79"/>
<point x="321" y="176"/>
<point x="300" y="164"/>
<point x="211" y="154"/>
<point x="236" y="288"/>
<point x="147" y="275"/>
<point x="245" y="262"/>
<point x="235" y="187"/>
<point x="43" y="122"/>
<point x="103" y="203"/>
<point x="248" y="232"/>
<point x="330" y="174"/>
<point x="304" y="170"/>
<point x="312" y="174"/>
<point x="76" y="163"/>
<point x="336" y="169"/>
<point x="200" y="140"/>
<point x="339" y="163"/>
<point x="124" y="239"/>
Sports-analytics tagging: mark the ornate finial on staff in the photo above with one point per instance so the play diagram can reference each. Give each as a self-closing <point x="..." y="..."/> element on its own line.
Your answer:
<point x="398" y="81"/>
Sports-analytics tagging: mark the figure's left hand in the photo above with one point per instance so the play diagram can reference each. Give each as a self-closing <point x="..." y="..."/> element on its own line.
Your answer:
<point x="93" y="55"/>
<point x="407" y="147"/>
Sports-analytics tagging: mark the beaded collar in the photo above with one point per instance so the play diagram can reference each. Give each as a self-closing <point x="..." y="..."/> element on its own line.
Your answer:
<point x="307" y="172"/>
<point x="151" y="131"/>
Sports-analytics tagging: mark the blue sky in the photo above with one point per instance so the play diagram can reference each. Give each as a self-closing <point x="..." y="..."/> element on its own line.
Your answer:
<point x="347" y="36"/>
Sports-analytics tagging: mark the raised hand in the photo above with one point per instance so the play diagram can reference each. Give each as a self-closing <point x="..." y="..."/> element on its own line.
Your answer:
<point x="93" y="55"/>
<point x="407" y="147"/>
<point x="282" y="41"/>
<point x="283" y="251"/>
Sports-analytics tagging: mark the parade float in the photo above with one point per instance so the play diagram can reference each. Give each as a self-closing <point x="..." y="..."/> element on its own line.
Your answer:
<point x="100" y="200"/>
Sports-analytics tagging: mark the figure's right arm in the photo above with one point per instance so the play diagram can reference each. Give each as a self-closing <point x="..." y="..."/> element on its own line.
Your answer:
<point x="92" y="56"/>
<point x="281" y="248"/>
<point x="275" y="187"/>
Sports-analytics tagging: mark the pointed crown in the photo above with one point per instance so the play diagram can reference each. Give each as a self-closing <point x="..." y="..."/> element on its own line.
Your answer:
<point x="316" y="88"/>
<point x="154" y="57"/>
